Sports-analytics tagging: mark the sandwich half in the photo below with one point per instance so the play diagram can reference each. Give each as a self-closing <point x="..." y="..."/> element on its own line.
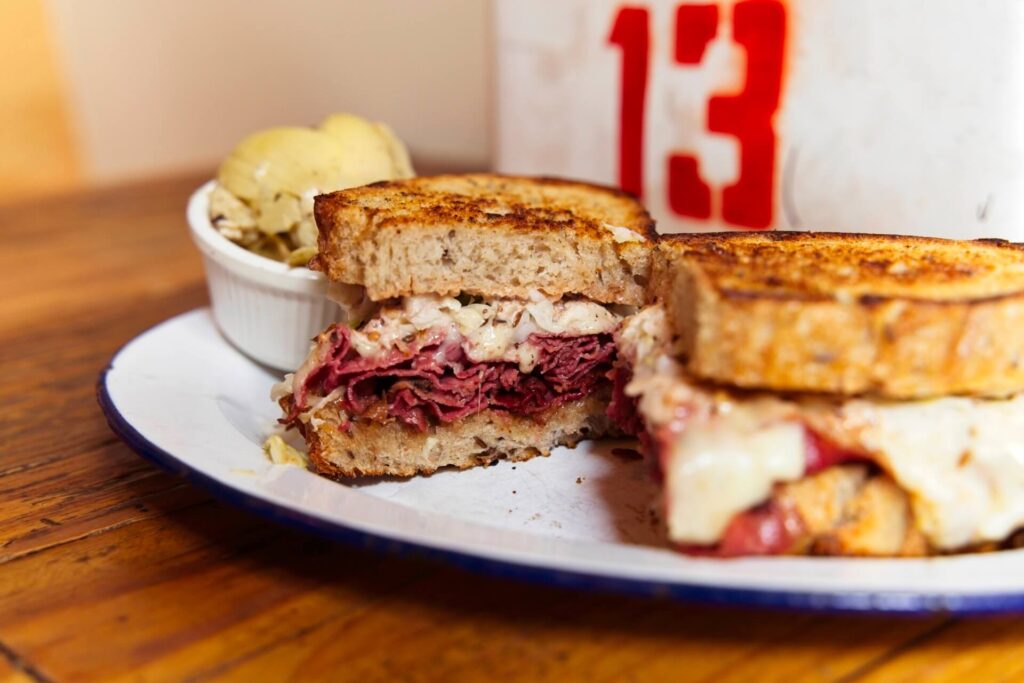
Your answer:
<point x="479" y="313"/>
<point x="831" y="394"/>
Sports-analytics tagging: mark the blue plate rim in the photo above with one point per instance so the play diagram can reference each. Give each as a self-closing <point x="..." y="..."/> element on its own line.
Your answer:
<point x="825" y="602"/>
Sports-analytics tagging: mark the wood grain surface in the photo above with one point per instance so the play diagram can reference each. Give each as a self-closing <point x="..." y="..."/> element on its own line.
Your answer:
<point x="112" y="570"/>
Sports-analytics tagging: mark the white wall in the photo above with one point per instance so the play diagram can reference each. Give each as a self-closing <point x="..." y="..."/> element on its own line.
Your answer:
<point x="158" y="86"/>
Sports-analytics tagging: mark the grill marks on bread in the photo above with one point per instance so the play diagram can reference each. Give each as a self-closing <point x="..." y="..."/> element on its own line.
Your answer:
<point x="494" y="236"/>
<point x="879" y="315"/>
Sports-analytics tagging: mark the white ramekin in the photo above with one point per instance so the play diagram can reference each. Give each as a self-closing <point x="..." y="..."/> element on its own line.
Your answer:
<point x="269" y="310"/>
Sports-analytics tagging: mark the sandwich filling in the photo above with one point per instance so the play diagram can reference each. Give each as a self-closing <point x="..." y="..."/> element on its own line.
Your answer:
<point x="424" y="360"/>
<point x="735" y="464"/>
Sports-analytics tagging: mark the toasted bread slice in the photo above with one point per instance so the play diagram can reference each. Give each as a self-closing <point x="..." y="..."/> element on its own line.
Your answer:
<point x="489" y="235"/>
<point x="883" y="315"/>
<point x="375" y="449"/>
<point x="846" y="510"/>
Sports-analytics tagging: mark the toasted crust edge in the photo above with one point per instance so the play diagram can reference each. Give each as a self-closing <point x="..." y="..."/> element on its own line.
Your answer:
<point x="374" y="449"/>
<point x="881" y="346"/>
<point x="584" y="260"/>
<point x="331" y="203"/>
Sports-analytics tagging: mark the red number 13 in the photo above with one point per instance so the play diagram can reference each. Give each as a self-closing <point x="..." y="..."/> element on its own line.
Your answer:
<point x="760" y="27"/>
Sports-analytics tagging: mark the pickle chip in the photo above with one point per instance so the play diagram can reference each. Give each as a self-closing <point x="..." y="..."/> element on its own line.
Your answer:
<point x="263" y="199"/>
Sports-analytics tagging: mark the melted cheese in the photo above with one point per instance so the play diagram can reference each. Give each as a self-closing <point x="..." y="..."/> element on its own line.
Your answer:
<point x="960" y="459"/>
<point x="728" y="465"/>
<point x="659" y="382"/>
<point x="621" y="234"/>
<point x="492" y="330"/>
<point x="488" y="331"/>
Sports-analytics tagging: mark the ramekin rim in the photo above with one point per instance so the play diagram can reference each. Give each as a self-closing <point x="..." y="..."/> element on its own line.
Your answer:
<point x="203" y="230"/>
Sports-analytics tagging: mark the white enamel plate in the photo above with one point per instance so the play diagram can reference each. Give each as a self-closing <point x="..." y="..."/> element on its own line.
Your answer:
<point x="186" y="399"/>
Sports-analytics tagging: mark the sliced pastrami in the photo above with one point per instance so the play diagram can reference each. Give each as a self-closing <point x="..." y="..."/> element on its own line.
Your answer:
<point x="431" y="378"/>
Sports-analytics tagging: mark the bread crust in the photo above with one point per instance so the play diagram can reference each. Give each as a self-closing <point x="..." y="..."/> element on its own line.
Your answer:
<point x="486" y="234"/>
<point x="376" y="449"/>
<point x="880" y="315"/>
<point x="848" y="510"/>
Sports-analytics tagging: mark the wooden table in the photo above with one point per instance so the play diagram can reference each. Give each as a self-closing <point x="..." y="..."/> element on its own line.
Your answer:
<point x="111" y="569"/>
